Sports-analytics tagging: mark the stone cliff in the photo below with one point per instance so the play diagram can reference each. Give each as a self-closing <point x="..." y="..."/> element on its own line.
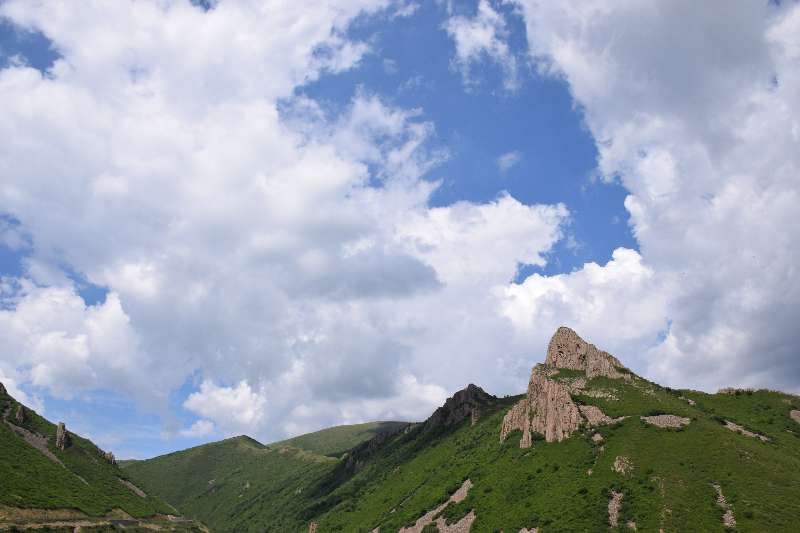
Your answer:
<point x="548" y="408"/>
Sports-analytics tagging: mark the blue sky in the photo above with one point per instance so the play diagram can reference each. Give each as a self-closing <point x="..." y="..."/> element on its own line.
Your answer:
<point x="183" y="260"/>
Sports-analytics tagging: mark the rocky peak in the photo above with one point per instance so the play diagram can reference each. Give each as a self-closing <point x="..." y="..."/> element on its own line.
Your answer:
<point x="465" y="403"/>
<point x="62" y="436"/>
<point x="548" y="408"/>
<point x="568" y="350"/>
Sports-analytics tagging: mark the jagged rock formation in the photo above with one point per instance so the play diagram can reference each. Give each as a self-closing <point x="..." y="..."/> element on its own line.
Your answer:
<point x="19" y="417"/>
<point x="62" y="437"/>
<point x="568" y="350"/>
<point x="108" y="456"/>
<point x="666" y="421"/>
<point x="463" y="404"/>
<point x="548" y="408"/>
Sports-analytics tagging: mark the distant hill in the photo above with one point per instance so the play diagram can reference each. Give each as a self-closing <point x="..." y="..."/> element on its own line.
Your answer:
<point x="237" y="484"/>
<point x="335" y="441"/>
<point x="49" y="475"/>
<point x="590" y="447"/>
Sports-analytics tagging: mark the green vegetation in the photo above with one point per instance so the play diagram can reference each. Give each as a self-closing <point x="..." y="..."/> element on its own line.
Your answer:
<point x="236" y="484"/>
<point x="549" y="485"/>
<point x="86" y="481"/>
<point x="337" y="440"/>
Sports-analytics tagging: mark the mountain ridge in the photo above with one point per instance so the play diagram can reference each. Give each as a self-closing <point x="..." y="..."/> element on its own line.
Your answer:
<point x="591" y="446"/>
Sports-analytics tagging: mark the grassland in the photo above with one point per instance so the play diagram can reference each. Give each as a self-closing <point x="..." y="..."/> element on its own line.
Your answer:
<point x="337" y="440"/>
<point x="563" y="486"/>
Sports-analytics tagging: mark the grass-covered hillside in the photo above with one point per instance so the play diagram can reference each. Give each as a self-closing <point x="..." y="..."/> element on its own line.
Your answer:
<point x="236" y="484"/>
<point x="668" y="481"/>
<point x="337" y="440"/>
<point x="667" y="477"/>
<point x="38" y="480"/>
<point x="590" y="447"/>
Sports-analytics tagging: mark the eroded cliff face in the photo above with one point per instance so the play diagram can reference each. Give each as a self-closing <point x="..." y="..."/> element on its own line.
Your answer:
<point x="568" y="350"/>
<point x="548" y="408"/>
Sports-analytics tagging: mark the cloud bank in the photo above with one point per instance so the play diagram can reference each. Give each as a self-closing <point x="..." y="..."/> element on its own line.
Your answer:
<point x="283" y="262"/>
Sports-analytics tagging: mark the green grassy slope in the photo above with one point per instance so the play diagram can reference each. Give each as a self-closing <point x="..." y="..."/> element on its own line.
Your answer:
<point x="337" y="440"/>
<point x="548" y="486"/>
<point x="87" y="482"/>
<point x="235" y="485"/>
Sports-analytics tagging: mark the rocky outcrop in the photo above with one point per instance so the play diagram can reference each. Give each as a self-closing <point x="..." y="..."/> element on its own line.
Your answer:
<point x="548" y="410"/>
<point x="462" y="526"/>
<point x="614" y="503"/>
<point x="312" y="527"/>
<point x="728" y="519"/>
<point x="595" y="417"/>
<point x="666" y="421"/>
<point x="3" y="390"/>
<point x="736" y="428"/>
<point x="62" y="437"/>
<point x="622" y="465"/>
<point x="109" y="457"/>
<point x="464" y="404"/>
<point x="795" y="415"/>
<point x="568" y="350"/>
<point x="19" y="417"/>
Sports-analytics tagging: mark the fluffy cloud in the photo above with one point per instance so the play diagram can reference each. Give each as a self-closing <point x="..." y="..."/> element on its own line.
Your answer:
<point x="695" y="113"/>
<point x="284" y="254"/>
<point x="235" y="409"/>
<point x="483" y="36"/>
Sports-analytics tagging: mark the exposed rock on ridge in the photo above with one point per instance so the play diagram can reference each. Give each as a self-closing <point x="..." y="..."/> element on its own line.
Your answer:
<point x="548" y="408"/>
<point x="465" y="403"/>
<point x="568" y="350"/>
<point x="62" y="436"/>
